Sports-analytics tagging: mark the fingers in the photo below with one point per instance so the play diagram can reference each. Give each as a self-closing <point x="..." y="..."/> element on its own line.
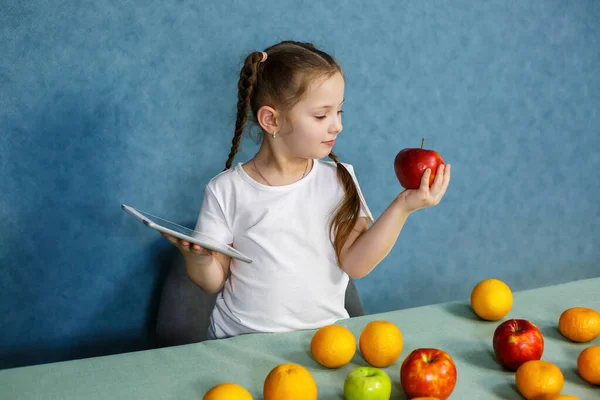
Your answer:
<point x="169" y="238"/>
<point x="426" y="196"/>
<point x="439" y="176"/>
<point x="184" y="245"/>
<point x="176" y="241"/>
<point x="442" y="179"/>
<point x="191" y="247"/>
<point x="424" y="186"/>
<point x="446" y="180"/>
<point x="194" y="248"/>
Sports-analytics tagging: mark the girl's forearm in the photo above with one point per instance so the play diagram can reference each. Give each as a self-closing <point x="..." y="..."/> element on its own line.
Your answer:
<point x="205" y="271"/>
<point x="371" y="247"/>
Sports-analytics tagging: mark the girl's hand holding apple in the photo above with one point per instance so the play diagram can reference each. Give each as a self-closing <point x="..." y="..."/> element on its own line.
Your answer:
<point x="426" y="196"/>
<point x="414" y="168"/>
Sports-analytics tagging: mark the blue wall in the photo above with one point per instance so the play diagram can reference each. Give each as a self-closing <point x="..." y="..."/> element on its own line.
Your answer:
<point x="134" y="102"/>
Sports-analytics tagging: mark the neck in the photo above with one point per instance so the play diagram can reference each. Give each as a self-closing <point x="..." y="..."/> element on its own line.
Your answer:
<point x="279" y="163"/>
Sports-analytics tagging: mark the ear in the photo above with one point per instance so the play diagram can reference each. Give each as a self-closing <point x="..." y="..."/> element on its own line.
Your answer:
<point x="267" y="119"/>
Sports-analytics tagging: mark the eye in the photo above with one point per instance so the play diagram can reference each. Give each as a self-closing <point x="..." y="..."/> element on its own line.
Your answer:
<point x="321" y="117"/>
<point x="340" y="112"/>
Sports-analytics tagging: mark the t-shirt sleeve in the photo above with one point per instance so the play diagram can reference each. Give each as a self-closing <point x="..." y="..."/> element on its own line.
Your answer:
<point x="364" y="208"/>
<point x="212" y="219"/>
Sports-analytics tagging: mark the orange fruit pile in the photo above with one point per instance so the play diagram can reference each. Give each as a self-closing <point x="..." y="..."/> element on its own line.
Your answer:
<point x="333" y="346"/>
<point x="579" y="324"/>
<point x="381" y="343"/>
<point x="491" y="299"/>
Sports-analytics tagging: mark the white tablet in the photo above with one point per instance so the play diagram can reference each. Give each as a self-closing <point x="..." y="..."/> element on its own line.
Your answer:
<point x="181" y="232"/>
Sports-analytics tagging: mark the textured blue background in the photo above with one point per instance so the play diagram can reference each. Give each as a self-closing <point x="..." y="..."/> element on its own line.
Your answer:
<point x="111" y="102"/>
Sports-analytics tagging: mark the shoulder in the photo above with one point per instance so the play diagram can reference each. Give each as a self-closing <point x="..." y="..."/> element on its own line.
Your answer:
<point x="224" y="181"/>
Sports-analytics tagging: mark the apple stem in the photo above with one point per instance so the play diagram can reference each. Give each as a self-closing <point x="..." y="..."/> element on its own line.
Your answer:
<point x="422" y="142"/>
<point x="517" y="327"/>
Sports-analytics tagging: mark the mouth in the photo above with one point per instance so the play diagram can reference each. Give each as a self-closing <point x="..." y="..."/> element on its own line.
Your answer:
<point x="330" y="143"/>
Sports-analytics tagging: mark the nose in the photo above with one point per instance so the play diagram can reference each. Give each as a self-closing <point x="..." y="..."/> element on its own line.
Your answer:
<point x="336" y="127"/>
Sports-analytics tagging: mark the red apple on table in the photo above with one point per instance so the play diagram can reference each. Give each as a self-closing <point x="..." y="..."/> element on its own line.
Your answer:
<point x="428" y="373"/>
<point x="517" y="341"/>
<point x="411" y="163"/>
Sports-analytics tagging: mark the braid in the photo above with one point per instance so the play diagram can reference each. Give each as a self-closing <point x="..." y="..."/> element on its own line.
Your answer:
<point x="347" y="213"/>
<point x="246" y="84"/>
<point x="334" y="158"/>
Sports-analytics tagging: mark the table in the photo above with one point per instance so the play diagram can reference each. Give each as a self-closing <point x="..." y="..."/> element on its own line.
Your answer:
<point x="187" y="372"/>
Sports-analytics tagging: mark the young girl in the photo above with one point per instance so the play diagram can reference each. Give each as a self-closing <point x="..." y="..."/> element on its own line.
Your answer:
<point x="302" y="220"/>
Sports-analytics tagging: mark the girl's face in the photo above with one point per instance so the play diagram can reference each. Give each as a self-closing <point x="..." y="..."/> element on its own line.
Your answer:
<point x="310" y="128"/>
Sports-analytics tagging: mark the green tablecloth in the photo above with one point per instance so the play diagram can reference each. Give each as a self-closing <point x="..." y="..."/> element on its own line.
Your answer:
<point x="187" y="372"/>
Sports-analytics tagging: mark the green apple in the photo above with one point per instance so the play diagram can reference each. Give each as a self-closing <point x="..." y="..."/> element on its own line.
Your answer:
<point x="367" y="383"/>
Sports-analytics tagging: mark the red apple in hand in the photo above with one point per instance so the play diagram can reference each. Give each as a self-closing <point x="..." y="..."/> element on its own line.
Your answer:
<point x="410" y="164"/>
<point x="428" y="373"/>
<point x="517" y="341"/>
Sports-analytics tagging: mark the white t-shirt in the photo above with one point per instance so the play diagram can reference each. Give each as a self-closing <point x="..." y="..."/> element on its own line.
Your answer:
<point x="294" y="281"/>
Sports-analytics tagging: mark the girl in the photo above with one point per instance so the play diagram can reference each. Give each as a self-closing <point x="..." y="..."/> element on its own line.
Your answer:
<point x="302" y="220"/>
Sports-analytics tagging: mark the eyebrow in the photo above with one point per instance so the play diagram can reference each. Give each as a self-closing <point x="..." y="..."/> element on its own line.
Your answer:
<point x="325" y="107"/>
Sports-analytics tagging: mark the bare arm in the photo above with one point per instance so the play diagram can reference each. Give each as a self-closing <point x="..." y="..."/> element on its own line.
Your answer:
<point x="207" y="269"/>
<point x="209" y="272"/>
<point x="367" y="247"/>
<point x="371" y="246"/>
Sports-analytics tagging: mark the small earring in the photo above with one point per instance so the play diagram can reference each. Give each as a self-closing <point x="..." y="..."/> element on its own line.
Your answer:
<point x="273" y="135"/>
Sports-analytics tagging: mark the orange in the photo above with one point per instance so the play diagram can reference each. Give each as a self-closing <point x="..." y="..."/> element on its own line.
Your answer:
<point x="558" y="397"/>
<point x="491" y="299"/>
<point x="227" y="391"/>
<point x="579" y="324"/>
<point x="588" y="364"/>
<point x="290" y="382"/>
<point x="539" y="378"/>
<point x="333" y="346"/>
<point x="424" y="398"/>
<point x="380" y="343"/>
